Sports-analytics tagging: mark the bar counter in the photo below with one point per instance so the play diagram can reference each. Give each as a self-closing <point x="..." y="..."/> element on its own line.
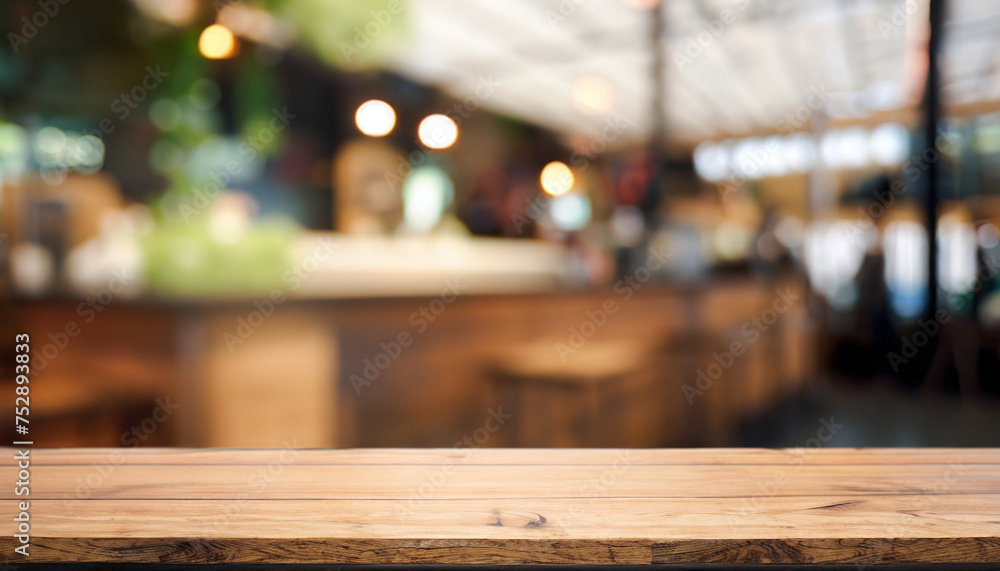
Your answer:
<point x="328" y="373"/>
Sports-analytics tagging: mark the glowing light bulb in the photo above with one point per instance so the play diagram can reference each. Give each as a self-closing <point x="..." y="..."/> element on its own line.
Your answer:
<point x="438" y="131"/>
<point x="593" y="95"/>
<point x="375" y="118"/>
<point x="642" y="4"/>
<point x="217" y="42"/>
<point x="556" y="178"/>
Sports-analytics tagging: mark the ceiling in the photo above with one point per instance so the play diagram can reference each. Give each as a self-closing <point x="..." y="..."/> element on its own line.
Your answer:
<point x="729" y="67"/>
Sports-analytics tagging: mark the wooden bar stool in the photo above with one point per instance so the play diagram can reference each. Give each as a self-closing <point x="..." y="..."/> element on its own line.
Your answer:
<point x="578" y="399"/>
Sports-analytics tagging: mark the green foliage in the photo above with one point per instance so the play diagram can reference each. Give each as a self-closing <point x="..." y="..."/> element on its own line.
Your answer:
<point x="347" y="33"/>
<point x="185" y="259"/>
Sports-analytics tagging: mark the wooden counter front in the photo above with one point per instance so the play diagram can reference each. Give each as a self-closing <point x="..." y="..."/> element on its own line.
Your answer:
<point x="305" y="374"/>
<point x="506" y="506"/>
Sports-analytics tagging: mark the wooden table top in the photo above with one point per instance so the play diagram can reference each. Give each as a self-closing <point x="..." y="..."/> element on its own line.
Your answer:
<point x="806" y="506"/>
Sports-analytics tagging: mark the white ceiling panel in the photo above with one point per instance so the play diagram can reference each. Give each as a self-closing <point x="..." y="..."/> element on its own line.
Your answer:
<point x="744" y="74"/>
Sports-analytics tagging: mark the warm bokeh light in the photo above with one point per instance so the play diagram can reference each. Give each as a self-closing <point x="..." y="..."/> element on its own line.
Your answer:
<point x="642" y="4"/>
<point x="556" y="178"/>
<point x="593" y="95"/>
<point x="173" y="12"/>
<point x="375" y="118"/>
<point x="438" y="131"/>
<point x="217" y="42"/>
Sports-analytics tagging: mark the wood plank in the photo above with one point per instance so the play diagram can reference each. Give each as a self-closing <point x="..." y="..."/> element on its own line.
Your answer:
<point x="844" y="516"/>
<point x="507" y="456"/>
<point x="280" y="481"/>
<point x="511" y="506"/>
<point x="258" y="530"/>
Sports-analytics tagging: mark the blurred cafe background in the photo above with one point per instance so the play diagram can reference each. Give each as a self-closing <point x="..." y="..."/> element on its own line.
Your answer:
<point x="537" y="223"/>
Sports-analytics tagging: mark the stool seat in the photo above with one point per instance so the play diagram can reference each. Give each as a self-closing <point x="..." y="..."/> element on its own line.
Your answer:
<point x="580" y="399"/>
<point x="594" y="362"/>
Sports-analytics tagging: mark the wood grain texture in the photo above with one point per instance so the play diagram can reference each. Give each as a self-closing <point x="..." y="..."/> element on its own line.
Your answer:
<point x="497" y="506"/>
<point x="520" y="456"/>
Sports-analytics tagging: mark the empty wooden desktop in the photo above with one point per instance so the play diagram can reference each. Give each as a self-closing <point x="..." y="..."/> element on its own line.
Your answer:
<point x="810" y="506"/>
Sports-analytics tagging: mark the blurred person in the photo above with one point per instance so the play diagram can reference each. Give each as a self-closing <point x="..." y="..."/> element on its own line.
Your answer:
<point x="873" y="333"/>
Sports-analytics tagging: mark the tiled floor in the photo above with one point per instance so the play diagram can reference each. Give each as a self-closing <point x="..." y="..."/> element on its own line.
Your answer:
<point x="877" y="416"/>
